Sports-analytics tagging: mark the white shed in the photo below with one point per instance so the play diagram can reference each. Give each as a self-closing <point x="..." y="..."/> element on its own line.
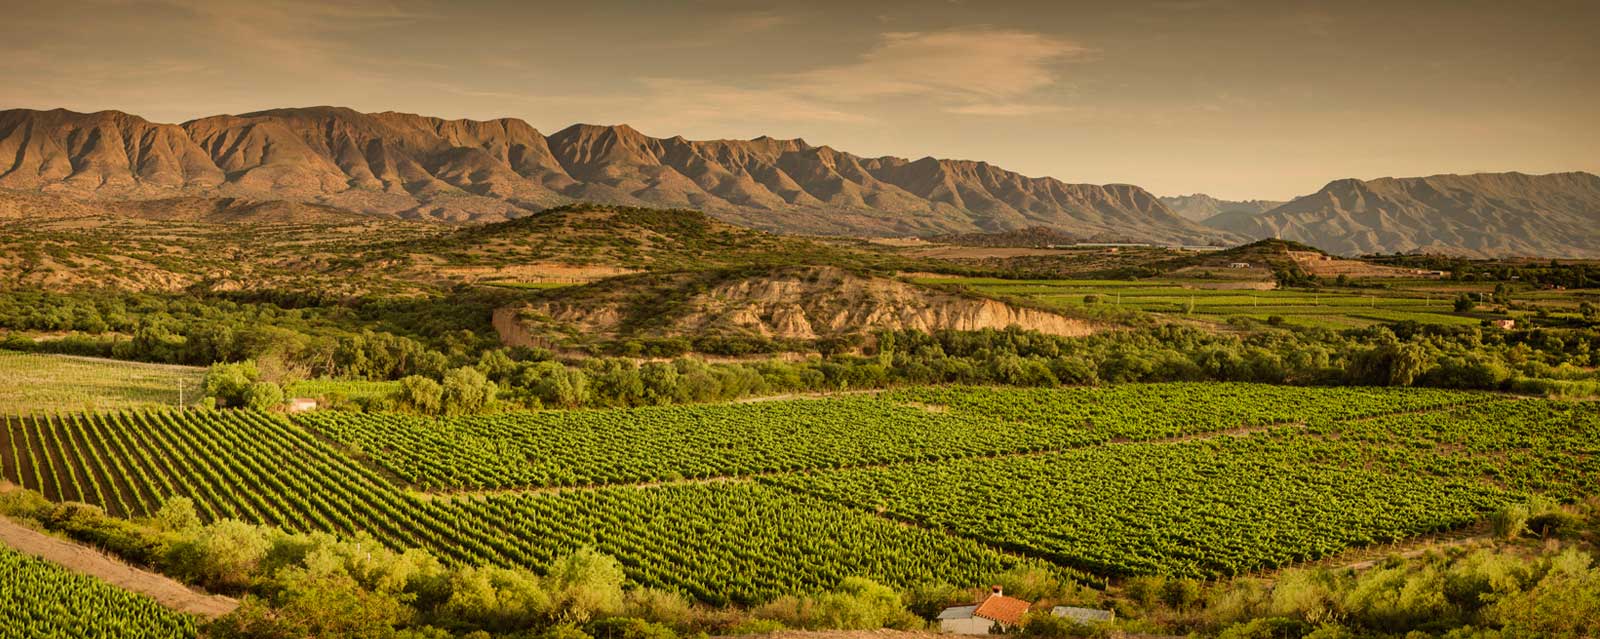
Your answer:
<point x="996" y="613"/>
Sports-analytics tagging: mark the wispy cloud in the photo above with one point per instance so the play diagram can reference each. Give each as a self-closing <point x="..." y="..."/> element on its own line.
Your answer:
<point x="1005" y="109"/>
<point x="956" y="64"/>
<point x="978" y="71"/>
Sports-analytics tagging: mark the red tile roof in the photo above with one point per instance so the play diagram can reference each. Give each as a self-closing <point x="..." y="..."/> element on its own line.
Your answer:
<point x="1006" y="610"/>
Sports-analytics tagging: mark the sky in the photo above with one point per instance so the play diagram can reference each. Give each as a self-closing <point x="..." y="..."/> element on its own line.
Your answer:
<point x="1237" y="98"/>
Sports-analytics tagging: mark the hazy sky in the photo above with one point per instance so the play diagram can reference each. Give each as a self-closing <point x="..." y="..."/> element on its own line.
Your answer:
<point x="1236" y="98"/>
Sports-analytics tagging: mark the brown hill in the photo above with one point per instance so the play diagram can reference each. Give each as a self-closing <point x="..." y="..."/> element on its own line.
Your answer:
<point x="463" y="170"/>
<point x="1480" y="215"/>
<point x="794" y="303"/>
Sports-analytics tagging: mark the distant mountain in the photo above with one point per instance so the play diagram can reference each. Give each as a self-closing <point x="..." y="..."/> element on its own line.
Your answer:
<point x="419" y="167"/>
<point x="1201" y="207"/>
<point x="1483" y="215"/>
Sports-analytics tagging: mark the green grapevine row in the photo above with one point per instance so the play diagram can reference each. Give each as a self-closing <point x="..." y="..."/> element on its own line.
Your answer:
<point x="1218" y="506"/>
<point x="724" y="542"/>
<point x="575" y="448"/>
<point x="40" y="600"/>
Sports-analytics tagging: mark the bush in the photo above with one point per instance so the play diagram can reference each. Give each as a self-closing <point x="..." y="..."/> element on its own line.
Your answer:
<point x="420" y="394"/>
<point x="1511" y="521"/>
<point x="466" y="391"/>
<point x="230" y="384"/>
<point x="177" y="515"/>
<point x="857" y="604"/>
<point x="264" y="396"/>
<point x="222" y="555"/>
<point x="1179" y="594"/>
<point x="585" y="585"/>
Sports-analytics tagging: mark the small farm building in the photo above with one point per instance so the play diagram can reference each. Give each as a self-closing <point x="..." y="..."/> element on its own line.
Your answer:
<point x="1239" y="265"/>
<point x="1505" y="324"/>
<point x="996" y="612"/>
<point x="302" y="404"/>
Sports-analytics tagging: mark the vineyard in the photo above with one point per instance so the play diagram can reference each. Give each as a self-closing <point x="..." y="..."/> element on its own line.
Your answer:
<point x="43" y="601"/>
<point x="1214" y="507"/>
<point x="261" y="468"/>
<point x="577" y="448"/>
<point x="746" y="502"/>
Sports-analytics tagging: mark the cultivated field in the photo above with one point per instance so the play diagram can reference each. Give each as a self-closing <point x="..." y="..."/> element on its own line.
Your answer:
<point x="46" y="383"/>
<point x="745" y="502"/>
<point x="41" y="599"/>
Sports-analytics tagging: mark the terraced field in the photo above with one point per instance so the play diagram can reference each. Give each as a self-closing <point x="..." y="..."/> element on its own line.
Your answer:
<point x="745" y="502"/>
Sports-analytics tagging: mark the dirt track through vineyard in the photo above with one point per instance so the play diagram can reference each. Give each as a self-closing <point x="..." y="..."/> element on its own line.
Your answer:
<point x="89" y="561"/>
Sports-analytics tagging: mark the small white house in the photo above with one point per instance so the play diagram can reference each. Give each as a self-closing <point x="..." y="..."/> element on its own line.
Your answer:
<point x="1239" y="265"/>
<point x="302" y="404"/>
<point x="1085" y="616"/>
<point x="996" y="613"/>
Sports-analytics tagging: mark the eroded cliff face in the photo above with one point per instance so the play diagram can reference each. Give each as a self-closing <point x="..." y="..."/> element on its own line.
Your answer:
<point x="805" y="303"/>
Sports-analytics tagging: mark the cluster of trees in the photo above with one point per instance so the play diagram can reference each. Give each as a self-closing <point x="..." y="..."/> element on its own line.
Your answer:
<point x="451" y="363"/>
<point x="371" y="339"/>
<point x="1580" y="274"/>
<point x="1541" y="362"/>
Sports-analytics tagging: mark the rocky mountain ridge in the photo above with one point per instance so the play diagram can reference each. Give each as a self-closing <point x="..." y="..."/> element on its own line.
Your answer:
<point x="1476" y="215"/>
<point x="418" y="167"/>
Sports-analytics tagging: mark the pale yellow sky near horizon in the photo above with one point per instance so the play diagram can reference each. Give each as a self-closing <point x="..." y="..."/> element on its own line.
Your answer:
<point x="1236" y="98"/>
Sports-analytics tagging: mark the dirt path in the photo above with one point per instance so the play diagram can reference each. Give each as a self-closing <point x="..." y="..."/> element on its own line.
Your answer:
<point x="88" y="561"/>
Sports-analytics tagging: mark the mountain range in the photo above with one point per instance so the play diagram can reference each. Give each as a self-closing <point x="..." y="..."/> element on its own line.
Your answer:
<point x="1477" y="215"/>
<point x="325" y="161"/>
<point x="417" y="167"/>
<point x="1200" y="207"/>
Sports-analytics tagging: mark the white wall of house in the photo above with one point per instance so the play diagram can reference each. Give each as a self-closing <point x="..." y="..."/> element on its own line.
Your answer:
<point x="967" y="626"/>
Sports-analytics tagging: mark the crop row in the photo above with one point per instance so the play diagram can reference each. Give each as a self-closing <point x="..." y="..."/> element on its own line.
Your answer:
<point x="597" y="447"/>
<point x="728" y="542"/>
<point x="40" y="600"/>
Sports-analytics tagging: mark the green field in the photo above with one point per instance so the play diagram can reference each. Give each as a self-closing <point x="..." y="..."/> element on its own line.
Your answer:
<point x="1331" y="308"/>
<point x="535" y="449"/>
<point x="750" y="501"/>
<point x="41" y="599"/>
<point x="37" y="383"/>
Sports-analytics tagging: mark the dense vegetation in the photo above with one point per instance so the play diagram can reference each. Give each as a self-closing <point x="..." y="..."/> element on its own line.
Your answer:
<point x="1221" y="506"/>
<point x="943" y="485"/>
<point x="262" y="469"/>
<point x="43" y="601"/>
<point x="644" y="444"/>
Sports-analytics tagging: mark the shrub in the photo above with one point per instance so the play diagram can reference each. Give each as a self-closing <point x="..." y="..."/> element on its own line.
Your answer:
<point x="264" y="396"/>
<point x="177" y="515"/>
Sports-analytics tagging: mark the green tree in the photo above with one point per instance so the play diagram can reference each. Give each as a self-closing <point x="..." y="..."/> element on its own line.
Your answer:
<point x="420" y="394"/>
<point x="230" y="383"/>
<point x="264" y="396"/>
<point x="466" y="391"/>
